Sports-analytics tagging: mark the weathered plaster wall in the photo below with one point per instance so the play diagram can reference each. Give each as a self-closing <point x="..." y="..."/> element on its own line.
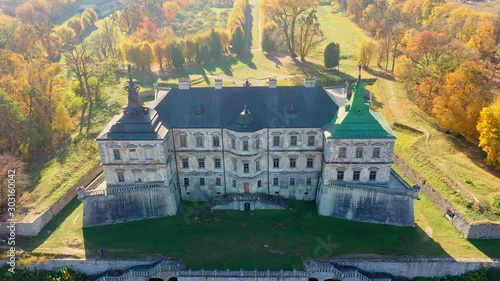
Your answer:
<point x="133" y="204"/>
<point x="368" y="205"/>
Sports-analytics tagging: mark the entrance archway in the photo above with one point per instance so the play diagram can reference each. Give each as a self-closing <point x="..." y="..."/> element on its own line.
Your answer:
<point x="155" y="279"/>
<point x="247" y="206"/>
<point x="172" y="279"/>
<point x="313" y="279"/>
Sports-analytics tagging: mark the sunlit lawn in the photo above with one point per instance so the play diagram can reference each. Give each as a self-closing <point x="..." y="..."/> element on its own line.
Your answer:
<point x="235" y="239"/>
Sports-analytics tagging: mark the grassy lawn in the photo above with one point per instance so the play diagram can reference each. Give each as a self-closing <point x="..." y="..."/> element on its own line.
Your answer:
<point x="452" y="166"/>
<point x="202" y="238"/>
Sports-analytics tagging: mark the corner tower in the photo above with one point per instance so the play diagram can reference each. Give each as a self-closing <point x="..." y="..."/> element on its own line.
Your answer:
<point x="136" y="158"/>
<point x="357" y="182"/>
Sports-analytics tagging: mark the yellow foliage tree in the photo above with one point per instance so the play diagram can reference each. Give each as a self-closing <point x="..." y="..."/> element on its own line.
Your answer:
<point x="463" y="94"/>
<point x="489" y="133"/>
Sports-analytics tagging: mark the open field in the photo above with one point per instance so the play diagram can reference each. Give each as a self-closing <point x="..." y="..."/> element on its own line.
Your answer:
<point x="202" y="237"/>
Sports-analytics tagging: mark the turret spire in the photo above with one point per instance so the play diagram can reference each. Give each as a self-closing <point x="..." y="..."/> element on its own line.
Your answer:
<point x="134" y="105"/>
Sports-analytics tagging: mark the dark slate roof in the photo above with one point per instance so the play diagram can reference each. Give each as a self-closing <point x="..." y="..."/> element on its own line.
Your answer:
<point x="280" y="107"/>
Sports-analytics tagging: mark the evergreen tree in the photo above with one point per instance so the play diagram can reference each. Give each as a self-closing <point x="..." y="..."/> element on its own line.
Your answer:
<point x="216" y="46"/>
<point x="332" y="55"/>
<point x="267" y="44"/>
<point x="205" y="53"/>
<point x="238" y="41"/>
<point x="177" y="56"/>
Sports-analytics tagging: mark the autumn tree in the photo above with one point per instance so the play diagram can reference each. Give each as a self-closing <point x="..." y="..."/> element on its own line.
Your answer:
<point x="238" y="41"/>
<point x="463" y="95"/>
<point x="104" y="42"/>
<point x="309" y="34"/>
<point x="237" y="17"/>
<point x="367" y="50"/>
<point x="76" y="24"/>
<point x="332" y="55"/>
<point x="146" y="31"/>
<point x="66" y="36"/>
<point x="129" y="18"/>
<point x="89" y="17"/>
<point x="489" y="133"/>
<point x="81" y="62"/>
<point x="286" y="13"/>
<point x="13" y="126"/>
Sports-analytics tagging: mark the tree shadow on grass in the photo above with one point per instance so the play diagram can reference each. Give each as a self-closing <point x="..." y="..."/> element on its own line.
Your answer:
<point x="323" y="76"/>
<point x="29" y="244"/>
<point x="247" y="58"/>
<point x="274" y="59"/>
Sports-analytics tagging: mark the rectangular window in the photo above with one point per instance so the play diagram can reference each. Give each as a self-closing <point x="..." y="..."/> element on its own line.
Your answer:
<point x="257" y="165"/>
<point x="310" y="163"/>
<point x="116" y="154"/>
<point x="234" y="183"/>
<point x="373" y="175"/>
<point x="292" y="181"/>
<point x="340" y="175"/>
<point x="246" y="168"/>
<point x="245" y="145"/>
<point x="202" y="181"/>
<point x="235" y="165"/>
<point x="276" y="162"/>
<point x="133" y="153"/>
<point x="259" y="183"/>
<point x="257" y="143"/>
<point x="293" y="162"/>
<point x="185" y="163"/>
<point x="199" y="141"/>
<point x="308" y="181"/>
<point x="276" y="141"/>
<point x="376" y="152"/>
<point x="342" y="152"/>
<point x="215" y="141"/>
<point x="186" y="181"/>
<point x="201" y="163"/>
<point x="148" y="151"/>
<point x="275" y="181"/>
<point x="359" y="152"/>
<point x="355" y="175"/>
<point x="218" y="181"/>
<point x="121" y="176"/>
<point x="183" y="141"/>
<point x="293" y="140"/>
<point x="310" y="141"/>
<point x="217" y="163"/>
<point x="233" y="143"/>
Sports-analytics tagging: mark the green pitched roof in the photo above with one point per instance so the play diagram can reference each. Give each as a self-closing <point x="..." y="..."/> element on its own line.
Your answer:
<point x="356" y="120"/>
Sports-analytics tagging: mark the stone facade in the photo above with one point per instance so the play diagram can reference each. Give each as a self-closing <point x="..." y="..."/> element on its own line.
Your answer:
<point x="292" y="142"/>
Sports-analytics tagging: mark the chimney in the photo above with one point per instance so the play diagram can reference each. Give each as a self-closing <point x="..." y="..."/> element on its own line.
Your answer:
<point x="272" y="83"/>
<point x="218" y="83"/>
<point x="310" y="82"/>
<point x="184" y="84"/>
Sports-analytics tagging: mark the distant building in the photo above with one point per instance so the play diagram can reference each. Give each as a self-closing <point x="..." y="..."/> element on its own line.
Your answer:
<point x="249" y="148"/>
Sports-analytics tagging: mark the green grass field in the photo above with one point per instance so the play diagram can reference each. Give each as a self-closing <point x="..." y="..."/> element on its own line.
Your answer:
<point x="202" y="238"/>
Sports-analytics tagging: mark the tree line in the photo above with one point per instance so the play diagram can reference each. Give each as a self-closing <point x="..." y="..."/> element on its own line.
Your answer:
<point x="445" y="55"/>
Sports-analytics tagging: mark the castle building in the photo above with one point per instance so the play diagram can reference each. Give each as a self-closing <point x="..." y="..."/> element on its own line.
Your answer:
<point x="249" y="148"/>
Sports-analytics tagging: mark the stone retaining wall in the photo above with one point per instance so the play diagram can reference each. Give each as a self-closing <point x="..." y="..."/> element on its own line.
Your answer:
<point x="468" y="229"/>
<point x="32" y="228"/>
<point x="411" y="268"/>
